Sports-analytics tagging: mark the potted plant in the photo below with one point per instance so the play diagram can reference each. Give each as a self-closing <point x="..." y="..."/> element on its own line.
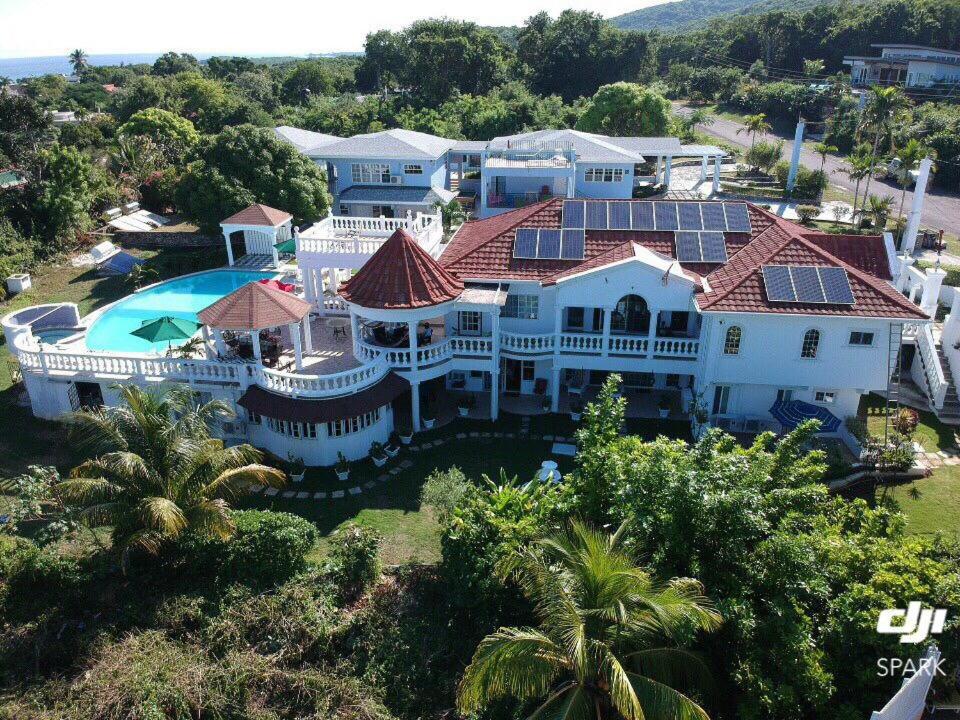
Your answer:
<point x="576" y="410"/>
<point x="296" y="469"/>
<point x="664" y="406"/>
<point x="378" y="454"/>
<point x="392" y="448"/>
<point x="466" y="404"/>
<point x="405" y="432"/>
<point x="342" y="468"/>
<point x="429" y="414"/>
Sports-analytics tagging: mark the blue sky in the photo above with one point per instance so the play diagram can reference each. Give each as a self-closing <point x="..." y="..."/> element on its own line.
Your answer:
<point x="31" y="28"/>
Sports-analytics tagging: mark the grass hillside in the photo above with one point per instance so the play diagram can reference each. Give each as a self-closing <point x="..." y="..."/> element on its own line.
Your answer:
<point x="675" y="15"/>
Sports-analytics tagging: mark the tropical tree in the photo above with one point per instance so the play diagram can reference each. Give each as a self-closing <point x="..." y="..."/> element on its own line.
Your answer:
<point x="155" y="469"/>
<point x="451" y="213"/>
<point x="858" y="167"/>
<point x="754" y="124"/>
<point x="691" y="120"/>
<point x="626" y="109"/>
<point x="78" y="58"/>
<point x="878" y="208"/>
<point x="909" y="156"/>
<point x="824" y="149"/>
<point x="813" y="68"/>
<point x="883" y="105"/>
<point x="606" y="645"/>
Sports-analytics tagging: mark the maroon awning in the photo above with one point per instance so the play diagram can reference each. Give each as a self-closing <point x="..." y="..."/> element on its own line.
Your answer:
<point x="315" y="410"/>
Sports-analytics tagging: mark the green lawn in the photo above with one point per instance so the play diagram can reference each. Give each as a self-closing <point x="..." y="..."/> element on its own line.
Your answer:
<point x="937" y="505"/>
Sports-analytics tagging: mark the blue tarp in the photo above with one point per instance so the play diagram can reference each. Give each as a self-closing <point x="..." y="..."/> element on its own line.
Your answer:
<point x="793" y="412"/>
<point x="119" y="264"/>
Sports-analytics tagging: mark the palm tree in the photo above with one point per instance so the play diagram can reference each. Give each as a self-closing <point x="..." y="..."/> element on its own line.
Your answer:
<point x="695" y="118"/>
<point x="78" y="58"/>
<point x="910" y="156"/>
<point x="754" y="124"/>
<point x="883" y="105"/>
<point x="858" y="167"/>
<point x="598" y="652"/>
<point x="824" y="149"/>
<point x="879" y="209"/>
<point x="156" y="471"/>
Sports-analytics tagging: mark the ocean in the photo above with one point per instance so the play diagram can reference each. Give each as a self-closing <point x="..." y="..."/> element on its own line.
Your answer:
<point x="19" y="68"/>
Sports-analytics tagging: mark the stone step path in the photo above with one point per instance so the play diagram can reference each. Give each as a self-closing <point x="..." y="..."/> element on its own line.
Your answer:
<point x="288" y="493"/>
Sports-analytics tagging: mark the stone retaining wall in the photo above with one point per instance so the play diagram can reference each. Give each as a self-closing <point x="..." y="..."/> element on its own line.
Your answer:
<point x="156" y="240"/>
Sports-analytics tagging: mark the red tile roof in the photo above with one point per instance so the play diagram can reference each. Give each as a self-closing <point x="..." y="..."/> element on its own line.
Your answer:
<point x="483" y="250"/>
<point x="401" y="274"/>
<point x="258" y="214"/>
<point x="254" y="307"/>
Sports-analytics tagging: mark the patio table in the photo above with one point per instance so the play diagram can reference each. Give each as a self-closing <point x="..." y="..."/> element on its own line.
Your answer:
<point x="339" y="326"/>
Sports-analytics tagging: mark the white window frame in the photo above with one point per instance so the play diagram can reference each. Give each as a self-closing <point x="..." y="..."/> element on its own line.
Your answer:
<point x="413" y="169"/>
<point x="861" y="334"/>
<point x="816" y="347"/>
<point x="825" y="397"/>
<point x="471" y="322"/>
<point x="784" y="394"/>
<point x="344" y="209"/>
<point x="604" y="175"/>
<point x="521" y="306"/>
<point x="370" y="173"/>
<point x="731" y="347"/>
<point x="721" y="400"/>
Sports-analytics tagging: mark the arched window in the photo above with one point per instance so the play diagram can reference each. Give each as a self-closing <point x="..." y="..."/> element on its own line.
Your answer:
<point x="811" y="343"/>
<point x="631" y="315"/>
<point x="731" y="344"/>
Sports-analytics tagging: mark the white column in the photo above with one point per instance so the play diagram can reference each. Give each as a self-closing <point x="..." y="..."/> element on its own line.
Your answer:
<point x="555" y="391"/>
<point x="255" y="339"/>
<point x="916" y="208"/>
<point x="276" y="255"/>
<point x="716" y="174"/>
<point x="931" y="291"/>
<point x="656" y="174"/>
<point x="355" y="330"/>
<point x="951" y="325"/>
<point x="666" y="171"/>
<point x="906" y="261"/>
<point x="412" y="340"/>
<point x="307" y="334"/>
<point x="795" y="156"/>
<point x="495" y="363"/>
<point x="333" y="280"/>
<point x="218" y="342"/>
<point x="607" y="322"/>
<point x="226" y="237"/>
<point x="415" y="405"/>
<point x="703" y="169"/>
<point x="297" y="349"/>
<point x="495" y="394"/>
<point x="483" y="184"/>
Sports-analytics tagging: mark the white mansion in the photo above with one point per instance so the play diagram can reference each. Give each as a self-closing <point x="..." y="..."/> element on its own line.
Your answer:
<point x="716" y="303"/>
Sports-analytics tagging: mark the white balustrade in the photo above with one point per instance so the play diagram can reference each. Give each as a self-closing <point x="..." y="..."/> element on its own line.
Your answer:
<point x="581" y="343"/>
<point x="932" y="370"/>
<point x="471" y="346"/>
<point x="676" y="347"/>
<point x="300" y="385"/>
<point x="434" y="353"/>
<point x="349" y="235"/>
<point x="628" y="345"/>
<point x="527" y="344"/>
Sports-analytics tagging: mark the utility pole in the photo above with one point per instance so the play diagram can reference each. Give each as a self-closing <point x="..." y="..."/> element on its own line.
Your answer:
<point x="916" y="209"/>
<point x="795" y="158"/>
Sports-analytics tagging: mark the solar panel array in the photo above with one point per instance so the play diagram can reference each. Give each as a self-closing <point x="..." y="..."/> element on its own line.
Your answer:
<point x="548" y="244"/>
<point x="656" y="215"/>
<point x="700" y="246"/>
<point x="807" y="284"/>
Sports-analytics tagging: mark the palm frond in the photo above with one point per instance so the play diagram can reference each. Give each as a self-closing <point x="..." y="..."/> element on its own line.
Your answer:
<point x="233" y="484"/>
<point x="622" y="694"/>
<point x="162" y="515"/>
<point x="87" y="491"/>
<point x="568" y="702"/>
<point x="661" y="701"/>
<point x="675" y="667"/>
<point x="512" y="662"/>
<point x="212" y="518"/>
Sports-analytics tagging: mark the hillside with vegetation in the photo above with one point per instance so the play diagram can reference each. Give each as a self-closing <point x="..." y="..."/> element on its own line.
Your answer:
<point x="686" y="13"/>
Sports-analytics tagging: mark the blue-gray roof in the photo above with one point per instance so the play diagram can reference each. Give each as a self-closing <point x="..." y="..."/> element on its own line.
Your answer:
<point x="306" y="141"/>
<point x="399" y="194"/>
<point x="396" y="144"/>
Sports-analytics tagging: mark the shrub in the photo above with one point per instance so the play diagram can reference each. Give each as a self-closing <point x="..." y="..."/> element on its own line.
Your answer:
<point x="354" y="561"/>
<point x="807" y="213"/>
<point x="36" y="578"/>
<point x="764" y="155"/>
<point x="267" y="548"/>
<point x="808" y="185"/>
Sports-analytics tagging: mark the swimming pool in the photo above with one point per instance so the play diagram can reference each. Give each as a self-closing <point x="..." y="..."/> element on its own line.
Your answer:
<point x="183" y="297"/>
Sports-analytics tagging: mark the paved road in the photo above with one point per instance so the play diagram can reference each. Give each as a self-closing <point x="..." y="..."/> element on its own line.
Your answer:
<point x="941" y="210"/>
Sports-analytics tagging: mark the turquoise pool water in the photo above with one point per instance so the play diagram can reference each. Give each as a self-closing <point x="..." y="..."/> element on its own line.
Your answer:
<point x="183" y="297"/>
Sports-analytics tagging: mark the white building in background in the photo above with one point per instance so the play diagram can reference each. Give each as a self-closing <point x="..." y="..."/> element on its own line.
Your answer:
<point x="910" y="66"/>
<point x="757" y="320"/>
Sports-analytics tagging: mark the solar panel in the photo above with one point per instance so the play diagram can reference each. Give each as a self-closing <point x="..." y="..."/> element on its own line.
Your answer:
<point x="120" y="264"/>
<point x="690" y="216"/>
<point x="619" y="215"/>
<point x="596" y="215"/>
<point x="525" y="243"/>
<point x="573" y="214"/>
<point x="666" y="215"/>
<point x="713" y="247"/>
<point x="642" y="215"/>
<point x="738" y="219"/>
<point x="573" y="242"/>
<point x="548" y="246"/>
<point x="688" y="246"/>
<point x="836" y="285"/>
<point x="779" y="285"/>
<point x="806" y="281"/>
<point x="713" y="217"/>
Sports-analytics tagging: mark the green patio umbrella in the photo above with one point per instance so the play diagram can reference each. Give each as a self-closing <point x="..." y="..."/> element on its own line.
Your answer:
<point x="166" y="328"/>
<point x="287" y="246"/>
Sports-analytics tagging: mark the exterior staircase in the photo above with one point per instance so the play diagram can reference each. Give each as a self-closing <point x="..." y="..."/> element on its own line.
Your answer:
<point x="951" y="401"/>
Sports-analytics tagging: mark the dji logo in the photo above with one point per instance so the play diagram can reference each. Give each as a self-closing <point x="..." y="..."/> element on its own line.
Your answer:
<point x="917" y="624"/>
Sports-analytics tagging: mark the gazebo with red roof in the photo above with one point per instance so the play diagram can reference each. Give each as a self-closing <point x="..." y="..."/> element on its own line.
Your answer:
<point x="263" y="228"/>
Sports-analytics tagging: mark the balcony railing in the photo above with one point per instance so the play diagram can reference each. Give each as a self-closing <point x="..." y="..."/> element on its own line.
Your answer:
<point x="516" y="200"/>
<point x="347" y="235"/>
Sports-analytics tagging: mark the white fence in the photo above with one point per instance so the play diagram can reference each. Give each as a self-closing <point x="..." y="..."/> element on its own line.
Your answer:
<point x="933" y="377"/>
<point x="909" y="700"/>
<point x="362" y="236"/>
